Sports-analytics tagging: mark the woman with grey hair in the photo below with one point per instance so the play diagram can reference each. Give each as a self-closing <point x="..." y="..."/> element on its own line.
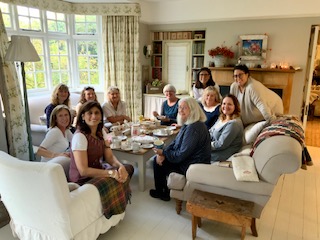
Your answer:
<point x="192" y="145"/>
<point x="114" y="109"/>
<point x="169" y="108"/>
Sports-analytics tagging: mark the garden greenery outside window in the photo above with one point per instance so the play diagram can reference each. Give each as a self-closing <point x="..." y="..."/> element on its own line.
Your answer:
<point x="68" y="46"/>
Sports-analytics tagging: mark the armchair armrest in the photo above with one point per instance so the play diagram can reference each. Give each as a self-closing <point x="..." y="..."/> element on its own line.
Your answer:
<point x="176" y="181"/>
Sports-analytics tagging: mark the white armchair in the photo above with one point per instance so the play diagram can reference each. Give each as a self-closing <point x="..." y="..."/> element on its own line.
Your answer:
<point x="42" y="206"/>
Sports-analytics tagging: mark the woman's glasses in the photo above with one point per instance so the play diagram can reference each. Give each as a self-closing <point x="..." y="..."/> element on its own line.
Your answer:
<point x="238" y="76"/>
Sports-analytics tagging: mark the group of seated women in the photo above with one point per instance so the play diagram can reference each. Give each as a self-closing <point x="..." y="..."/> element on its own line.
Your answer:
<point x="212" y="129"/>
<point x="85" y="154"/>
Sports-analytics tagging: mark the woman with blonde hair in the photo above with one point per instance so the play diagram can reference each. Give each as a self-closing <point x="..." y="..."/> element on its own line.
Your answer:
<point x="210" y="103"/>
<point x="60" y="95"/>
<point x="169" y="108"/>
<point x="55" y="146"/>
<point x="227" y="133"/>
<point x="192" y="145"/>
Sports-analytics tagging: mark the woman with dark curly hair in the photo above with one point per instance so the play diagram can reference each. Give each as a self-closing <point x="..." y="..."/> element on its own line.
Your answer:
<point x="87" y="94"/>
<point x="204" y="79"/>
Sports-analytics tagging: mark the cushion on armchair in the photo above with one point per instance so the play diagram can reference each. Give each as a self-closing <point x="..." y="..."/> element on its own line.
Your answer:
<point x="244" y="168"/>
<point x="176" y="181"/>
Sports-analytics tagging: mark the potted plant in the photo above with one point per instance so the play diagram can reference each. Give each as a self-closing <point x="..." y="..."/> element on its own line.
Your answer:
<point x="220" y="54"/>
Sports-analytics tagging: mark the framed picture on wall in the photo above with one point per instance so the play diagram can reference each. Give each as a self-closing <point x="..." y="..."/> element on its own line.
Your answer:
<point x="253" y="47"/>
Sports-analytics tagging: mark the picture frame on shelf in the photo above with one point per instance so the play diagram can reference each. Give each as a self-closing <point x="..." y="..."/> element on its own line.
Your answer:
<point x="253" y="47"/>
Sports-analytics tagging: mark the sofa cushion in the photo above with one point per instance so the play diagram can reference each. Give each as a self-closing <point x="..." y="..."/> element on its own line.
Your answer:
<point x="252" y="131"/>
<point x="222" y="177"/>
<point x="244" y="168"/>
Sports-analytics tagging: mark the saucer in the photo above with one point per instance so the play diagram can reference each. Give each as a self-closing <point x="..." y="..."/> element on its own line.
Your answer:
<point x="147" y="145"/>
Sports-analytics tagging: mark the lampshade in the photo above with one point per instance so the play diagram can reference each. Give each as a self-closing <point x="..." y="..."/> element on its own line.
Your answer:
<point x="21" y="50"/>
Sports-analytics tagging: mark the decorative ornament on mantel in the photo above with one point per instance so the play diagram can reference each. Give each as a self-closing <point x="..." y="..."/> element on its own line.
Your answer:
<point x="220" y="55"/>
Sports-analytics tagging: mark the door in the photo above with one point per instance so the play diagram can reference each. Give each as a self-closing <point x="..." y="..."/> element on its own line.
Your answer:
<point x="314" y="38"/>
<point x="176" y="69"/>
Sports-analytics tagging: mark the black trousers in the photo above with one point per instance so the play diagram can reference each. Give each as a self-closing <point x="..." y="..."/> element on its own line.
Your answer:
<point x="160" y="174"/>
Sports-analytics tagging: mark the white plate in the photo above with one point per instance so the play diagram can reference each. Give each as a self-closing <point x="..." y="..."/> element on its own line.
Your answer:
<point x="160" y="134"/>
<point x="147" y="145"/>
<point x="127" y="149"/>
<point x="172" y="127"/>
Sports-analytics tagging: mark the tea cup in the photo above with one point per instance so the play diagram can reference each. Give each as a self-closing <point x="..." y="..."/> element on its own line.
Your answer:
<point x="135" y="147"/>
<point x="158" y="144"/>
<point x="116" y="142"/>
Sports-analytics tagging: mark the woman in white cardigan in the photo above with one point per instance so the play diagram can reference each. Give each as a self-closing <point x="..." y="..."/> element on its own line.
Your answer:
<point x="257" y="102"/>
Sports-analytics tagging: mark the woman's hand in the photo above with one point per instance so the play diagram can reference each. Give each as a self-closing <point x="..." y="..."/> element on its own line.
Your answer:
<point x="122" y="174"/>
<point x="160" y="159"/>
<point x="158" y="151"/>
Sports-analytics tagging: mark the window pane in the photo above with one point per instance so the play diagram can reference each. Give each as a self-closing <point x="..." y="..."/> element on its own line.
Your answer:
<point x="56" y="22"/>
<point x="94" y="78"/>
<point x="82" y="62"/>
<point x="6" y="13"/>
<point x="29" y="18"/>
<point x="40" y="78"/>
<point x="84" y="78"/>
<point x="93" y="63"/>
<point x="85" y="24"/>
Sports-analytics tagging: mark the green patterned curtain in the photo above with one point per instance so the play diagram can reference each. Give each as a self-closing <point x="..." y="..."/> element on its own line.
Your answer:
<point x="122" y="67"/>
<point x="13" y="104"/>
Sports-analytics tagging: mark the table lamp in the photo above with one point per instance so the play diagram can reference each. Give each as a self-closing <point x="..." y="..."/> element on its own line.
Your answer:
<point x="21" y="50"/>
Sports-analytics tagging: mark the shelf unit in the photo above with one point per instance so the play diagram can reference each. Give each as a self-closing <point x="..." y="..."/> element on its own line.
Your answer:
<point x="197" y="55"/>
<point x="198" y="46"/>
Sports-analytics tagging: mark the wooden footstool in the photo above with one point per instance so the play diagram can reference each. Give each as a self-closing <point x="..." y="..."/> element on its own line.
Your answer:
<point x="221" y="208"/>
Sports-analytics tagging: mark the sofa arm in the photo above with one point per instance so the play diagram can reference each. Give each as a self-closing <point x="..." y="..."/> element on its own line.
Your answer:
<point x="176" y="181"/>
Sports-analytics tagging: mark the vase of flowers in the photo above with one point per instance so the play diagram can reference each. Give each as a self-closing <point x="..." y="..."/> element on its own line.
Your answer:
<point x="220" y="55"/>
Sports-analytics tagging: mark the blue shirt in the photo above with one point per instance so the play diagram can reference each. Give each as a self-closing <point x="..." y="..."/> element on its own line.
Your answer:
<point x="212" y="117"/>
<point x="169" y="112"/>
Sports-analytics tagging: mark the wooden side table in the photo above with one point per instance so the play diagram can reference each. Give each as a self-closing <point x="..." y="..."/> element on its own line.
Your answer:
<point x="221" y="208"/>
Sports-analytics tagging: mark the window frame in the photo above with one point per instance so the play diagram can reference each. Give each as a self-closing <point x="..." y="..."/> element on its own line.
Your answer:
<point x="71" y="37"/>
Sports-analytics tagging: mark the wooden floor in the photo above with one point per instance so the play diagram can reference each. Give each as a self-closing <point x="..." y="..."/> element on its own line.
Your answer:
<point x="312" y="132"/>
<point x="293" y="213"/>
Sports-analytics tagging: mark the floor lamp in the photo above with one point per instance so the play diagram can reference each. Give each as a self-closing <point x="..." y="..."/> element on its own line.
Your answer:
<point x="21" y="50"/>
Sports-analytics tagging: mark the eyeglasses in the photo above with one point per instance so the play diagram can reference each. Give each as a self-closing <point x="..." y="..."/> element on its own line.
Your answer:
<point x="182" y="108"/>
<point x="238" y="76"/>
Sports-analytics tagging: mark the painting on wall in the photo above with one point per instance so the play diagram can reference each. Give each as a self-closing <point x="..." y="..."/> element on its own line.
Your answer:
<point x="253" y="47"/>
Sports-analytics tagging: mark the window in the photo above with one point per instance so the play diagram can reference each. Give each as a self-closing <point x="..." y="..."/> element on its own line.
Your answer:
<point x="60" y="69"/>
<point x="35" y="71"/>
<point x="6" y="15"/>
<point x="88" y="62"/>
<point x="29" y="18"/>
<point x="56" y="22"/>
<point x="68" y="46"/>
<point x="85" y="24"/>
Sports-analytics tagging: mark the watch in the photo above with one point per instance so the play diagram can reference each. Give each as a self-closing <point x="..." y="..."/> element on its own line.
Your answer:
<point x="110" y="172"/>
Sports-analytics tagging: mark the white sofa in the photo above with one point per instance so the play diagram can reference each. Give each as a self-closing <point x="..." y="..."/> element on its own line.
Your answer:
<point x="274" y="156"/>
<point x="42" y="206"/>
<point x="37" y="104"/>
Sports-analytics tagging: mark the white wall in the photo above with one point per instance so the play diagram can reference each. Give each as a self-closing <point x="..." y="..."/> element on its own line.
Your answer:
<point x="288" y="39"/>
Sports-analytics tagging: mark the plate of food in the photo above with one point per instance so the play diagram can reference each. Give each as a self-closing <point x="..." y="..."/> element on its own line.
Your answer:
<point x="144" y="139"/>
<point x="147" y="145"/>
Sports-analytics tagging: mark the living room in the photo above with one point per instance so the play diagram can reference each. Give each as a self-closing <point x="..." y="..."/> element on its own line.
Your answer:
<point x="288" y="29"/>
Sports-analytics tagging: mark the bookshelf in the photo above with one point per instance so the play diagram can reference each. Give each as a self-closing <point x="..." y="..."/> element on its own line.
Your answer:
<point x="198" y="46"/>
<point x="197" y="54"/>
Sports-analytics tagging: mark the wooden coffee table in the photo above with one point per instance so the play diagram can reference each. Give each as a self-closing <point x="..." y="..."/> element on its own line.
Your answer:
<point x="221" y="208"/>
